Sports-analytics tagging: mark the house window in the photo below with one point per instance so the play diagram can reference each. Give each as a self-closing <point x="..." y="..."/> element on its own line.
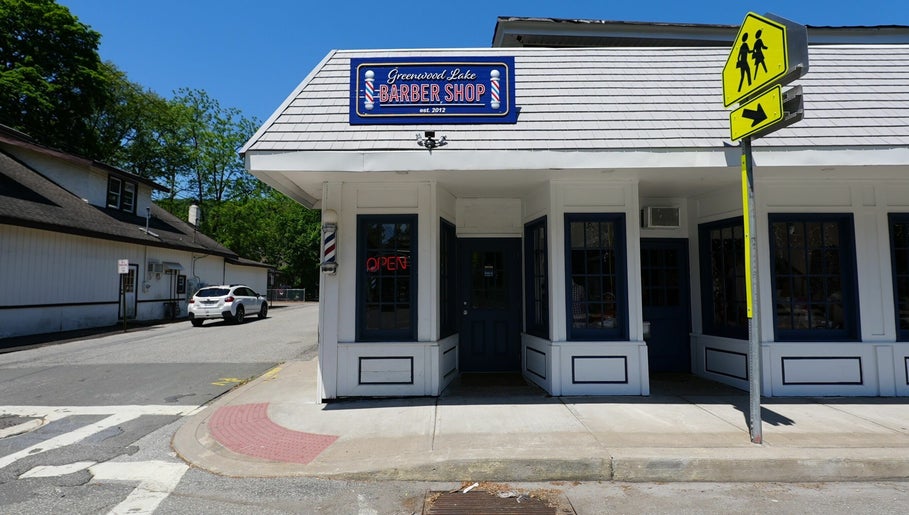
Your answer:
<point x="536" y="282"/>
<point x="114" y="187"/>
<point x="899" y="261"/>
<point x="121" y="194"/>
<point x="386" y="277"/>
<point x="128" y="199"/>
<point x="723" y="297"/>
<point x="813" y="276"/>
<point x="596" y="281"/>
<point x="448" y="305"/>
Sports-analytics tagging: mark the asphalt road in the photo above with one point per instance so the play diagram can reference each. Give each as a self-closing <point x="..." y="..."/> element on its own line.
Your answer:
<point x="74" y="411"/>
<point x="108" y="406"/>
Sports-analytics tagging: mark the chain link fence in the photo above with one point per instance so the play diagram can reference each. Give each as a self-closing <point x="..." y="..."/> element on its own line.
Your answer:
<point x="287" y="295"/>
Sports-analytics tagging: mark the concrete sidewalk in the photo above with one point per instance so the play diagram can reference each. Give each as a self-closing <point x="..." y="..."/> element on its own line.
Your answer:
<point x="275" y="426"/>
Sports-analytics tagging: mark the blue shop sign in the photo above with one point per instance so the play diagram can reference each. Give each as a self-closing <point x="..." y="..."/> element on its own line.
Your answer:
<point x="439" y="90"/>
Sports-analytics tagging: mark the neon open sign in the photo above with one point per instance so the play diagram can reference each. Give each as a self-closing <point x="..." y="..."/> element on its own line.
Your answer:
<point x="386" y="263"/>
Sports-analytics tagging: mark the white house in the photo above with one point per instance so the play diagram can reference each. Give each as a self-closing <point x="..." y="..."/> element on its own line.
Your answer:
<point x="66" y="222"/>
<point x="575" y="214"/>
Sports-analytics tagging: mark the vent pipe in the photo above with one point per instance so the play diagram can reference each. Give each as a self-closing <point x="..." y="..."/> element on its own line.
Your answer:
<point x="194" y="215"/>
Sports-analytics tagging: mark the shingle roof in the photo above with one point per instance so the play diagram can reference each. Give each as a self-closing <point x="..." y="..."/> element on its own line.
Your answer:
<point x="29" y="199"/>
<point x="617" y="99"/>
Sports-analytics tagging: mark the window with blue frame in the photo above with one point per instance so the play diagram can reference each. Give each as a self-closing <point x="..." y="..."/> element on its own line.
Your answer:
<point x="899" y="261"/>
<point x="596" y="276"/>
<point x="386" y="277"/>
<point x="813" y="275"/>
<point x="724" y="306"/>
<point x="536" y="280"/>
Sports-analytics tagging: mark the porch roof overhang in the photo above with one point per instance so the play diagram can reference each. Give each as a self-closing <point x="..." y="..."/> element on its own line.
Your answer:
<point x="659" y="172"/>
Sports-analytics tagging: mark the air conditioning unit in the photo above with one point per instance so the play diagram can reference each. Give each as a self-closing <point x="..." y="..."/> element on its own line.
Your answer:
<point x="155" y="268"/>
<point x="660" y="217"/>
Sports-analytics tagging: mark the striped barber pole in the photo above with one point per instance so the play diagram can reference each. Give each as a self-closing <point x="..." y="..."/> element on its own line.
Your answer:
<point x="494" y="88"/>
<point x="328" y="248"/>
<point x="370" y="90"/>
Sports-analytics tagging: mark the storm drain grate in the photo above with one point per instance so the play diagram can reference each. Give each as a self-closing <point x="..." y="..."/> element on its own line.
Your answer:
<point x="477" y="502"/>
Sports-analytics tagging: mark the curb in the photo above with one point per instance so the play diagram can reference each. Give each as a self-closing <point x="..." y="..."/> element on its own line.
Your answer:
<point x="193" y="442"/>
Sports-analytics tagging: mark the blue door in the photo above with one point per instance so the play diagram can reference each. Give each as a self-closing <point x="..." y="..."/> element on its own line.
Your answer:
<point x="490" y="304"/>
<point x="666" y="304"/>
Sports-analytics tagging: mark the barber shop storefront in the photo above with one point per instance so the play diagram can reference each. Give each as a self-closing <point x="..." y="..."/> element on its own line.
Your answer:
<point x="575" y="215"/>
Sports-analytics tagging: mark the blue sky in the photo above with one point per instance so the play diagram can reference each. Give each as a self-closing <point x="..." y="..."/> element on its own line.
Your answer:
<point x="252" y="54"/>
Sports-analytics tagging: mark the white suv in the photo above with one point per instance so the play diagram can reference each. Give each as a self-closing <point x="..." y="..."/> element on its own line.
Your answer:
<point x="230" y="302"/>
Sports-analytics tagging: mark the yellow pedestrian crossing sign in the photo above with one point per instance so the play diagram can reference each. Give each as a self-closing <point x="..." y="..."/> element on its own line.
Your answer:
<point x="768" y="50"/>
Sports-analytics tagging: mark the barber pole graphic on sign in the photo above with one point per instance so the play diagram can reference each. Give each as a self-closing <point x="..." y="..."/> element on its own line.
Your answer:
<point x="370" y="90"/>
<point x="494" y="89"/>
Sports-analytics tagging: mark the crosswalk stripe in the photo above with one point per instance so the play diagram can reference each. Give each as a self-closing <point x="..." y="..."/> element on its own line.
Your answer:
<point x="157" y="479"/>
<point x="116" y="415"/>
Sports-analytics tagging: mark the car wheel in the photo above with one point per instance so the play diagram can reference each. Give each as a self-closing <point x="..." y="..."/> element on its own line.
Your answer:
<point x="196" y="322"/>
<point x="241" y="314"/>
<point x="263" y="311"/>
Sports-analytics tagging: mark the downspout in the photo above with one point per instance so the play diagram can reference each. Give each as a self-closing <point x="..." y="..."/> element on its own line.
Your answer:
<point x="194" y="258"/>
<point x="145" y="254"/>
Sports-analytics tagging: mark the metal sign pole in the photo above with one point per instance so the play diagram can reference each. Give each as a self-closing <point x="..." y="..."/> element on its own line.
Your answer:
<point x="752" y="292"/>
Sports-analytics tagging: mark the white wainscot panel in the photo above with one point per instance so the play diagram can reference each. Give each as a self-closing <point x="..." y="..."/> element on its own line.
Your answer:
<point x="449" y="366"/>
<point x="391" y="370"/>
<point x="902" y="383"/>
<point x="386" y="369"/>
<point x="538" y="362"/>
<point x="602" y="368"/>
<point x="599" y="369"/>
<point x="822" y="370"/>
<point x="725" y="362"/>
<point x="720" y="359"/>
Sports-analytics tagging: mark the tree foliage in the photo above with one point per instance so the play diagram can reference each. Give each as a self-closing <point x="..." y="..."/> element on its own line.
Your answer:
<point x="54" y="86"/>
<point x="51" y="77"/>
<point x="273" y="228"/>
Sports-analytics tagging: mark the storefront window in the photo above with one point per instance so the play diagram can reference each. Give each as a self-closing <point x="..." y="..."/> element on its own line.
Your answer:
<point x="813" y="274"/>
<point x="724" y="302"/>
<point x="386" y="277"/>
<point x="536" y="282"/>
<point x="899" y="258"/>
<point x="596" y="277"/>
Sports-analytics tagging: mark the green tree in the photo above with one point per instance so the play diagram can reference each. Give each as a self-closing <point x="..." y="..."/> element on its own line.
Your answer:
<point x="51" y="77"/>
<point x="54" y="86"/>
<point x="267" y="226"/>
<point x="136" y="129"/>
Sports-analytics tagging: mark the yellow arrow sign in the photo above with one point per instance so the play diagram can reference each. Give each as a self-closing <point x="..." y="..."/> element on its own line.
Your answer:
<point x="757" y="114"/>
<point x="758" y="58"/>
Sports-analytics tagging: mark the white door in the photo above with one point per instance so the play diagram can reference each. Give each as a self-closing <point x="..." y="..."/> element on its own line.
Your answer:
<point x="129" y="290"/>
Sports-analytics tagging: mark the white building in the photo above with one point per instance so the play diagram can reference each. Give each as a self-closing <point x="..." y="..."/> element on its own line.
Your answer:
<point x="587" y="231"/>
<point x="67" y="221"/>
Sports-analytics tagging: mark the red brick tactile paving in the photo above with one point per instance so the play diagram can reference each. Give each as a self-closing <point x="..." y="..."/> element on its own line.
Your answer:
<point x="246" y="429"/>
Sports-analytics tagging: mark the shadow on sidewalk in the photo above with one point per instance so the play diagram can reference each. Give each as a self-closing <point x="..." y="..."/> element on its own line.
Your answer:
<point x="665" y="388"/>
<point x="18" y="343"/>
